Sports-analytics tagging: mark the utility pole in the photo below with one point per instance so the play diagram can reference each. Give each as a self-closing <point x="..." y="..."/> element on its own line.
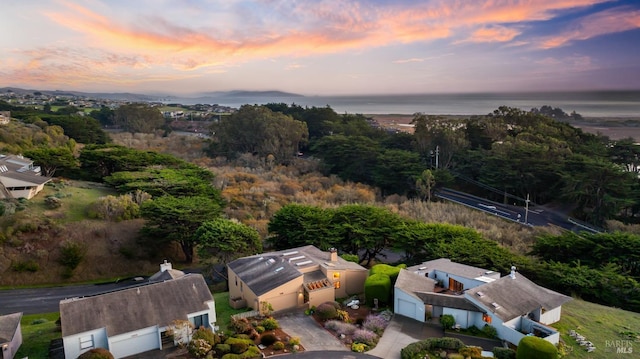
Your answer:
<point x="526" y="210"/>
<point x="437" y="154"/>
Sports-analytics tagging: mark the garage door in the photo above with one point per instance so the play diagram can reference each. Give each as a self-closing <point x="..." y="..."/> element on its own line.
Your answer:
<point x="134" y="342"/>
<point x="406" y="308"/>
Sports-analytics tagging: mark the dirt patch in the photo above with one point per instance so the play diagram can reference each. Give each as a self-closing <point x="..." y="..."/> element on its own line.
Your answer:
<point x="283" y="337"/>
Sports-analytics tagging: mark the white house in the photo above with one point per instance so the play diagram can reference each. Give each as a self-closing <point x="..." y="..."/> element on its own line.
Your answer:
<point x="514" y="305"/>
<point x="19" y="178"/>
<point x="134" y="320"/>
<point x="10" y="335"/>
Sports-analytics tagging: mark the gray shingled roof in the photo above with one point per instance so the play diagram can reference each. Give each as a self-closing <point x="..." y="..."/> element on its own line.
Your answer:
<point x="135" y="308"/>
<point x="14" y="166"/>
<point x="413" y="283"/>
<point x="8" y="325"/>
<point x="446" y="265"/>
<point x="259" y="273"/>
<point x="516" y="297"/>
<point x="262" y="274"/>
<point x="166" y="275"/>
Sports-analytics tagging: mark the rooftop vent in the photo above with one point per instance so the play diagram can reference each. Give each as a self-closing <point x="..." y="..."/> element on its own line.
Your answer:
<point x="3" y="168"/>
<point x="304" y="263"/>
<point x="495" y="305"/>
<point x="271" y="261"/>
<point x="480" y="294"/>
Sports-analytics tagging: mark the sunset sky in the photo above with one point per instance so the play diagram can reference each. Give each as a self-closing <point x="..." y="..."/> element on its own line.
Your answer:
<point x="320" y="47"/>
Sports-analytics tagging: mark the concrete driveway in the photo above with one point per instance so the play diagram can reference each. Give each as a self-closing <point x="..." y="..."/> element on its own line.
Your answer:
<point x="313" y="337"/>
<point x="401" y="332"/>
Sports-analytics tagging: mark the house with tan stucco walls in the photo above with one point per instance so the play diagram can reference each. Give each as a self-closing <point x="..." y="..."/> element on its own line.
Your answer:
<point x="293" y="278"/>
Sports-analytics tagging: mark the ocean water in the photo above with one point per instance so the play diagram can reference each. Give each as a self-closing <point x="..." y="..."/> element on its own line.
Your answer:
<point x="588" y="104"/>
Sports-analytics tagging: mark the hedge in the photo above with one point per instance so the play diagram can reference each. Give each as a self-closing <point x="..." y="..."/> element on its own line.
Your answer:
<point x="377" y="286"/>
<point x="252" y="352"/>
<point x="503" y="353"/>
<point x="536" y="348"/>
<point x="386" y="269"/>
<point x="418" y="349"/>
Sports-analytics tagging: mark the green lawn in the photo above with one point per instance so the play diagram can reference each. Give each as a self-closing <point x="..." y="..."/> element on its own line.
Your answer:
<point x="36" y="337"/>
<point x="75" y="197"/>
<point x="602" y="326"/>
<point x="224" y="310"/>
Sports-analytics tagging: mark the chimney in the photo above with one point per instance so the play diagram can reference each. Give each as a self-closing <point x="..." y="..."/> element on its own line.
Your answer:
<point x="513" y="272"/>
<point x="333" y="254"/>
<point x="165" y="266"/>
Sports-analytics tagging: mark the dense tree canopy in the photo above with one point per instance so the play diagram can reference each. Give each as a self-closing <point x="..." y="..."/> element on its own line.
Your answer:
<point x="176" y="219"/>
<point x="259" y="131"/>
<point x="137" y="117"/>
<point x="51" y="159"/>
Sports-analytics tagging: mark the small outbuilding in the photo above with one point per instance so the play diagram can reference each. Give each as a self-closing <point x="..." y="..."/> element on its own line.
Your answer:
<point x="10" y="335"/>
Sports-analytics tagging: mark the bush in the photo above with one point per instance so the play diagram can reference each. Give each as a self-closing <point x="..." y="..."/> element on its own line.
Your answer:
<point x="448" y="343"/>
<point x="240" y="326"/>
<point x="223" y="349"/>
<point x="418" y="350"/>
<point x="97" y="353"/>
<point x="388" y="270"/>
<point x="503" y="353"/>
<point x="52" y="202"/>
<point x="207" y="335"/>
<point x="326" y="311"/>
<point x="251" y="353"/>
<point x="358" y="347"/>
<point x="377" y="286"/>
<point x="268" y="339"/>
<point x="71" y="254"/>
<point x="199" y="348"/>
<point x="340" y="327"/>
<point x="350" y="257"/>
<point x="490" y="331"/>
<point x="239" y="348"/>
<point x="278" y="345"/>
<point x="375" y="323"/>
<point x="365" y="336"/>
<point x="536" y="348"/>
<point x="294" y="341"/>
<point x="28" y="266"/>
<point x="114" y="208"/>
<point x="260" y="329"/>
<point x="471" y="351"/>
<point x="270" y="324"/>
<point x="447" y="321"/>
<point x="343" y="315"/>
<point x="38" y="321"/>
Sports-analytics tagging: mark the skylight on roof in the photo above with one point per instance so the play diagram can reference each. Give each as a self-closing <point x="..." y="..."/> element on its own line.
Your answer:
<point x="289" y="253"/>
<point x="495" y="305"/>
<point x="480" y="294"/>
<point x="295" y="258"/>
<point x="279" y="269"/>
<point x="271" y="261"/>
<point x="304" y="263"/>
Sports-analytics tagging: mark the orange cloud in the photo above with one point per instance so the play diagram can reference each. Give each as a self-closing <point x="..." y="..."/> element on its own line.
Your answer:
<point x="493" y="34"/>
<point x="606" y="22"/>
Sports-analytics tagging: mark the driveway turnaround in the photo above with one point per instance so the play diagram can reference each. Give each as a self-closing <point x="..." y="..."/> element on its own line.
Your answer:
<point x="401" y="332"/>
<point x="312" y="336"/>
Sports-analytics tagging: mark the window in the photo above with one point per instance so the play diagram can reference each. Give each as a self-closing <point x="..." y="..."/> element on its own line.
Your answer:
<point x="236" y="281"/>
<point x="241" y="286"/>
<point x="86" y="342"/>
<point x="486" y="318"/>
<point x="200" y="321"/>
<point x="336" y="284"/>
<point x="336" y="275"/>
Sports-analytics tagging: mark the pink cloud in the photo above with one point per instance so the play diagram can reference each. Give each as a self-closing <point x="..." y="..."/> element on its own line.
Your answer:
<point x="606" y="22"/>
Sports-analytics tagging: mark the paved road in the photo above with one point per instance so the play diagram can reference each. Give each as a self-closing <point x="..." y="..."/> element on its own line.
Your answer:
<point x="535" y="216"/>
<point x="47" y="300"/>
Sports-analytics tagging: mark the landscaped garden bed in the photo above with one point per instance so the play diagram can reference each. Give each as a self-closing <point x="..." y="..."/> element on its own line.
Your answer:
<point x="357" y="327"/>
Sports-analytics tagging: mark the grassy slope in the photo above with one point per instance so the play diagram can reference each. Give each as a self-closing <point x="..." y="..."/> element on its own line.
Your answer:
<point x="599" y="324"/>
<point x="224" y="310"/>
<point x="36" y="337"/>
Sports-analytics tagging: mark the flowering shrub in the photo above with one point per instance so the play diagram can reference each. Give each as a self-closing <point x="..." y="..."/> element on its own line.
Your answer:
<point x="375" y="324"/>
<point x="294" y="341"/>
<point x="199" y="347"/>
<point x="343" y="315"/>
<point x="278" y="345"/>
<point x="365" y="336"/>
<point x="358" y="347"/>
<point x="340" y="327"/>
